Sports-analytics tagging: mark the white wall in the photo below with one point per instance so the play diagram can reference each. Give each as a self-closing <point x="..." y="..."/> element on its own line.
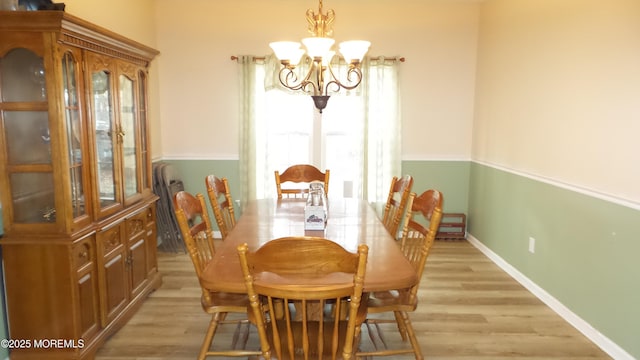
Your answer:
<point x="133" y="19"/>
<point x="558" y="92"/>
<point x="198" y="93"/>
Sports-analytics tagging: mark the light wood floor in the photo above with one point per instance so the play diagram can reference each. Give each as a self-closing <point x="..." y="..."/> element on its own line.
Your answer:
<point x="469" y="309"/>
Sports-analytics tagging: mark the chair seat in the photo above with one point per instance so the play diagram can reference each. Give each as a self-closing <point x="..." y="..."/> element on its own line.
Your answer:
<point x="393" y="300"/>
<point x="226" y="302"/>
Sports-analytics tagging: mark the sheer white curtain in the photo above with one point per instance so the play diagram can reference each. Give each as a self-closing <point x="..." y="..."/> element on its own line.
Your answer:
<point x="382" y="157"/>
<point x="358" y="132"/>
<point x="250" y="100"/>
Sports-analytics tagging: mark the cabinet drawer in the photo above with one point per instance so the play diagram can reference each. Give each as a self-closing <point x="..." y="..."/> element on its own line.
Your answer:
<point x="82" y="254"/>
<point x="136" y="224"/>
<point x="110" y="239"/>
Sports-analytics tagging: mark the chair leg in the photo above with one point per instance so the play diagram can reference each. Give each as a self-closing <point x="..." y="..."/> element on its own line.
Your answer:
<point x="412" y="336"/>
<point x="211" y="331"/>
<point x="402" y="329"/>
<point x="356" y="341"/>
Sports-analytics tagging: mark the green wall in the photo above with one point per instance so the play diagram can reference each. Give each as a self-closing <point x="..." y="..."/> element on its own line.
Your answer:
<point x="193" y="173"/>
<point x="586" y="253"/>
<point x="450" y="177"/>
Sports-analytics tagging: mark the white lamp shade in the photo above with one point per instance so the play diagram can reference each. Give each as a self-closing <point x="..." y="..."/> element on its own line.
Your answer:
<point x="354" y="50"/>
<point x="318" y="46"/>
<point x="287" y="50"/>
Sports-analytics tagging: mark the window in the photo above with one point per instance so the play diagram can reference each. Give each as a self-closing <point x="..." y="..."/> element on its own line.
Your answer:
<point x="356" y="136"/>
<point x="296" y="133"/>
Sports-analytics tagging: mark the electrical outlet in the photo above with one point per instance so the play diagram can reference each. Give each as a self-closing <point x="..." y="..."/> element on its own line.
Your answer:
<point x="532" y="245"/>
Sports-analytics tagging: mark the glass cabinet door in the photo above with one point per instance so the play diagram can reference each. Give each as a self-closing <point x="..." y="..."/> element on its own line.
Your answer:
<point x="127" y="136"/>
<point x="27" y="142"/>
<point x="144" y="146"/>
<point x="104" y="138"/>
<point x="119" y="161"/>
<point x="74" y="134"/>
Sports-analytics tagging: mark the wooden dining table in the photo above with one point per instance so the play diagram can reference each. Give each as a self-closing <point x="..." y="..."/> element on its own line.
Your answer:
<point x="350" y="222"/>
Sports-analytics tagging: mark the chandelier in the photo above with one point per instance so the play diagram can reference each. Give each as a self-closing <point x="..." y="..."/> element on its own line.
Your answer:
<point x="320" y="79"/>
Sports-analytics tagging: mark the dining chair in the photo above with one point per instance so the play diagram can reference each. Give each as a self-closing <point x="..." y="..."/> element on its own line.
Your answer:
<point x="396" y="205"/>
<point x="195" y="226"/>
<point x="297" y="287"/>
<point x="416" y="243"/>
<point x="301" y="174"/>
<point x="221" y="202"/>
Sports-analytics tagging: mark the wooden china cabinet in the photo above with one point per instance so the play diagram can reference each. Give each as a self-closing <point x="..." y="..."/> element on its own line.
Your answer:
<point x="79" y="246"/>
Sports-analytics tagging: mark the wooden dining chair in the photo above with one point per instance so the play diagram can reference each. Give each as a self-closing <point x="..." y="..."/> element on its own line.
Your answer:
<point x="290" y="282"/>
<point x="222" y="203"/>
<point x="417" y="239"/>
<point x="300" y="174"/>
<point x="396" y="205"/>
<point x="195" y="227"/>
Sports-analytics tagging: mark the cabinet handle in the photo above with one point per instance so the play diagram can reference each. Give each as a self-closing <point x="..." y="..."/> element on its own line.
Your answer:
<point x="83" y="255"/>
<point x="128" y="261"/>
<point x="119" y="133"/>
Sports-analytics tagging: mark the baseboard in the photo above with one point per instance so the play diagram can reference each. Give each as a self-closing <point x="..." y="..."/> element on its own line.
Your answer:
<point x="584" y="327"/>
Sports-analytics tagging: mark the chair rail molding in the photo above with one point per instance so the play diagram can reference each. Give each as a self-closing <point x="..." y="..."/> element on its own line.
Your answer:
<point x="564" y="185"/>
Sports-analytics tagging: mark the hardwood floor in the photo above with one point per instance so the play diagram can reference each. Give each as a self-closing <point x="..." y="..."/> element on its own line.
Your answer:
<point x="469" y="309"/>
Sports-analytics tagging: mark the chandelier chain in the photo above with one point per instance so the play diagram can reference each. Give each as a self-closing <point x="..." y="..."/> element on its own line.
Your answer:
<point x="320" y="23"/>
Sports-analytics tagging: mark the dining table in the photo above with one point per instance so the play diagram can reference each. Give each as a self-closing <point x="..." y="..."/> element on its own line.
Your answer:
<point x="350" y="222"/>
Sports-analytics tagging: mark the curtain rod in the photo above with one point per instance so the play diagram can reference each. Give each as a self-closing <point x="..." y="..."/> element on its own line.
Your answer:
<point x="401" y="59"/>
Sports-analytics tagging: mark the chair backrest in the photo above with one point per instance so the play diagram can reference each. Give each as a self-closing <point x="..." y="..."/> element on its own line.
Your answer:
<point x="221" y="202"/>
<point x="195" y="226"/>
<point x="418" y="238"/>
<point x="396" y="204"/>
<point x="291" y="282"/>
<point x="302" y="173"/>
